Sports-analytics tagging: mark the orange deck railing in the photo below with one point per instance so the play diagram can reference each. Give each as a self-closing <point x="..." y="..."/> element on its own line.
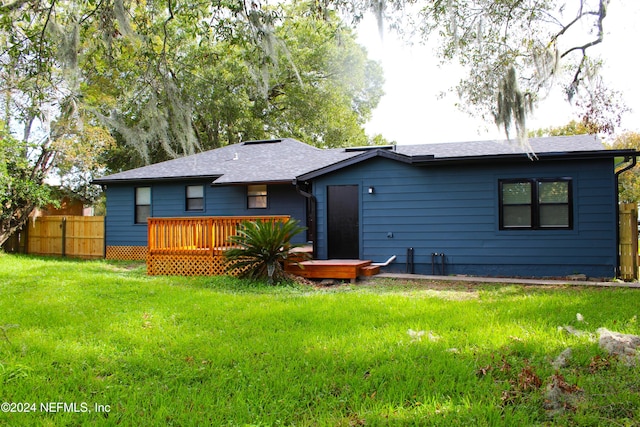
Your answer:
<point x="197" y="235"/>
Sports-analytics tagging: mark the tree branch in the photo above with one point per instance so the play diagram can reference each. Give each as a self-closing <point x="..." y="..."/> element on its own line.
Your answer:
<point x="164" y="29"/>
<point x="12" y="6"/>
<point x="601" y="14"/>
<point x="44" y="29"/>
<point x="90" y="14"/>
<point x="573" y="87"/>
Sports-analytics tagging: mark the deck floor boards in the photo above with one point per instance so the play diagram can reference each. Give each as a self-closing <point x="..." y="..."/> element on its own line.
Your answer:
<point x="329" y="268"/>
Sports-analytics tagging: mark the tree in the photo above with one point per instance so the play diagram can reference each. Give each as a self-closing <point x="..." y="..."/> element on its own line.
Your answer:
<point x="629" y="183"/>
<point x="46" y="126"/>
<point x="22" y="186"/>
<point x="130" y="83"/>
<point x="171" y="78"/>
<point x="571" y="128"/>
<point x="320" y="87"/>
<point x="514" y="52"/>
<point x="337" y="90"/>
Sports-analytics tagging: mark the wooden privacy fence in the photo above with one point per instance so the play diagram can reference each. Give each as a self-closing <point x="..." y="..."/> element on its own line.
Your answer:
<point x="628" y="241"/>
<point x="72" y="236"/>
<point x="193" y="246"/>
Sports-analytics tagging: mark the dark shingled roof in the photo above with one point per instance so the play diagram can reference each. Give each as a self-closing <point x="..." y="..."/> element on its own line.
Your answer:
<point x="287" y="159"/>
<point x="553" y="144"/>
<point x="245" y="162"/>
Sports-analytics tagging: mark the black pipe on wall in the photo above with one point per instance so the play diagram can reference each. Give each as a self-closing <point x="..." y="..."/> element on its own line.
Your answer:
<point x="410" y="268"/>
<point x="434" y="263"/>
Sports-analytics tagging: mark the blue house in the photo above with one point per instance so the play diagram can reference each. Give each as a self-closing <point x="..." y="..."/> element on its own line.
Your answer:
<point x="475" y="208"/>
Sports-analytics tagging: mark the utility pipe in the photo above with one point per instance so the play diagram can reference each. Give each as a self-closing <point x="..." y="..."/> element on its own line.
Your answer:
<point x="386" y="263"/>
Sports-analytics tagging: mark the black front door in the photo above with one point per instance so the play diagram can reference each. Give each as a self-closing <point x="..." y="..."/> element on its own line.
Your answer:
<point x="343" y="222"/>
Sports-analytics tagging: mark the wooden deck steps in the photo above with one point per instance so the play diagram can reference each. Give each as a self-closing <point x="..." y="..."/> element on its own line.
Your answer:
<point x="333" y="269"/>
<point x="370" y="270"/>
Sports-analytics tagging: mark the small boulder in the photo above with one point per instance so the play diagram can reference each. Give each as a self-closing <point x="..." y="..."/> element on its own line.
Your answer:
<point x="622" y="345"/>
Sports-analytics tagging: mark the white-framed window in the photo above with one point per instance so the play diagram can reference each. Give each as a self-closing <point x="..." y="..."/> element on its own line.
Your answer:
<point x="257" y="196"/>
<point x="143" y="204"/>
<point x="194" y="197"/>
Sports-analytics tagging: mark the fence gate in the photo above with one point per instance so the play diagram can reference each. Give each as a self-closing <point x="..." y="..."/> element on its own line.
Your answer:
<point x="628" y="241"/>
<point x="72" y="236"/>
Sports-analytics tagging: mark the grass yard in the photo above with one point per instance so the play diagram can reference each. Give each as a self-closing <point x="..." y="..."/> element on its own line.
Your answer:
<point x="99" y="343"/>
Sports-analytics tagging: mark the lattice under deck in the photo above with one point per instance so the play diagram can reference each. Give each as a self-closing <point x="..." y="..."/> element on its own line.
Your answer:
<point x="126" y="253"/>
<point x="185" y="265"/>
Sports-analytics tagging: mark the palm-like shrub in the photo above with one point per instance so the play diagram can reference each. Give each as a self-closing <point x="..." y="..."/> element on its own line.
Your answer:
<point x="261" y="249"/>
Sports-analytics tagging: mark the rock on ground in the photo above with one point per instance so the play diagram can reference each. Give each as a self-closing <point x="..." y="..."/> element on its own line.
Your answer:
<point x="622" y="345"/>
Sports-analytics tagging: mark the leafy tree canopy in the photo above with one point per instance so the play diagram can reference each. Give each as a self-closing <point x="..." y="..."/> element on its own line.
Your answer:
<point x="572" y="128"/>
<point x="22" y="186"/>
<point x="514" y="52"/>
<point x="169" y="78"/>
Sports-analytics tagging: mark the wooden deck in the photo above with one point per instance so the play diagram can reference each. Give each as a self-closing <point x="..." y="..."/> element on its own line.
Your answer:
<point x="333" y="269"/>
<point x="193" y="246"/>
<point x="196" y="245"/>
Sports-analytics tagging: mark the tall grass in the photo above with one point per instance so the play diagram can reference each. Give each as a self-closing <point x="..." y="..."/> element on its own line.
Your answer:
<point x="222" y="351"/>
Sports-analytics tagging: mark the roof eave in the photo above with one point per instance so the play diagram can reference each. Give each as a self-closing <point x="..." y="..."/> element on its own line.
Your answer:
<point x="269" y="182"/>
<point x="106" y="180"/>
<point x="576" y="155"/>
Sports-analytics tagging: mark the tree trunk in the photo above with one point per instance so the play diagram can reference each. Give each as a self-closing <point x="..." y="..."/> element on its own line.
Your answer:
<point x="13" y="225"/>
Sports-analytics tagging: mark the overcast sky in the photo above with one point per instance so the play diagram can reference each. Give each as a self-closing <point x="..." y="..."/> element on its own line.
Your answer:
<point x="411" y="113"/>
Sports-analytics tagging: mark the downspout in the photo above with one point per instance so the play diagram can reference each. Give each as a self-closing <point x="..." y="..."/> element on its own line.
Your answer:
<point x="633" y="161"/>
<point x="312" y="214"/>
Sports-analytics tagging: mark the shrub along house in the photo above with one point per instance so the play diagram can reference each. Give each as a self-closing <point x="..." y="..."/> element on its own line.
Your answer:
<point x="476" y="208"/>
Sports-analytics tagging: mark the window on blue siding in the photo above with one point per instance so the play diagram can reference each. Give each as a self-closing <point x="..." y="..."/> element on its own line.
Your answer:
<point x="517" y="206"/>
<point x="554" y="204"/>
<point x="143" y="204"/>
<point x="257" y="196"/>
<point x="536" y="204"/>
<point x="195" y="198"/>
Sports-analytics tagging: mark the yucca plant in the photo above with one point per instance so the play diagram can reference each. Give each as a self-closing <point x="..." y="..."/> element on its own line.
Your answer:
<point x="261" y="249"/>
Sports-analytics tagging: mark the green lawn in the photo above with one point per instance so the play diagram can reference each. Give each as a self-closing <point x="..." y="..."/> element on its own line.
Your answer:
<point x="101" y="343"/>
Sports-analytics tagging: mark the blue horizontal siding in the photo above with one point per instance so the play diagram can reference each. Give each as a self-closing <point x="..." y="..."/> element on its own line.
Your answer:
<point x="454" y="210"/>
<point x="119" y="222"/>
<point x="168" y="200"/>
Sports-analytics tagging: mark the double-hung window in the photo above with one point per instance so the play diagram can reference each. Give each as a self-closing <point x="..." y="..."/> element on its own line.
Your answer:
<point x="195" y="198"/>
<point x="536" y="204"/>
<point x="143" y="204"/>
<point x="257" y="196"/>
